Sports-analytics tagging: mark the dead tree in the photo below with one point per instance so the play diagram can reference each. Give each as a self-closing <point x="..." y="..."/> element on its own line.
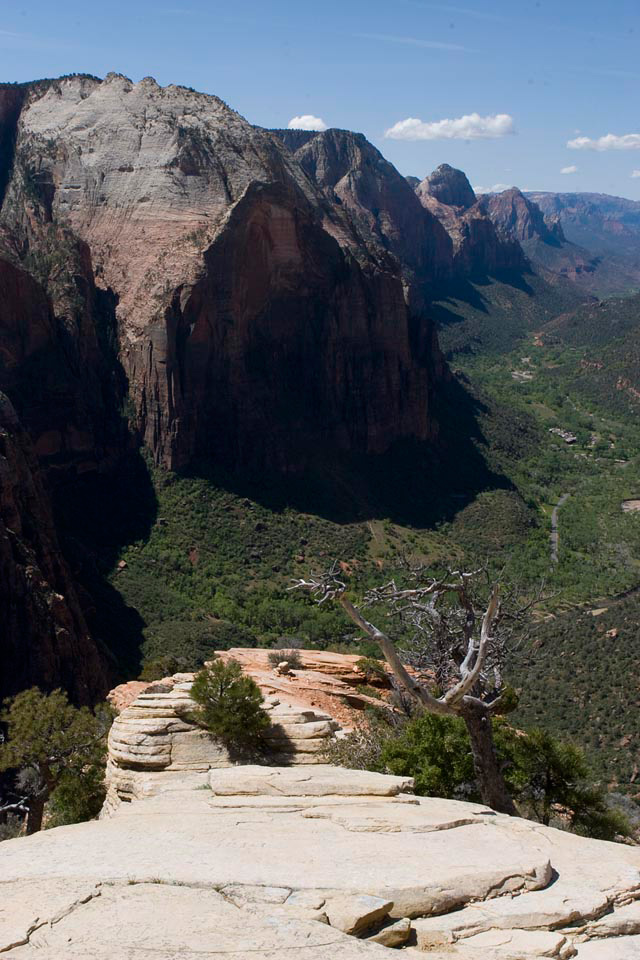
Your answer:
<point x="459" y="639"/>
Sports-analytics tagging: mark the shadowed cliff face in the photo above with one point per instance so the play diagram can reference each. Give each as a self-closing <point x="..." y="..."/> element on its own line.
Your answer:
<point x="44" y="638"/>
<point x="57" y="372"/>
<point x="253" y="319"/>
<point x="283" y="348"/>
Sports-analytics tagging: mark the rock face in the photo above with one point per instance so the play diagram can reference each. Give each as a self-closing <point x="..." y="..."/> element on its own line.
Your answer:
<point x="543" y="240"/>
<point x="270" y="861"/>
<point x="54" y="368"/>
<point x="378" y="199"/>
<point x="160" y="255"/>
<point x="448" y="186"/>
<point x="44" y="639"/>
<point x="249" y="311"/>
<point x="153" y="731"/>
<point x="594" y="220"/>
<point x="479" y="247"/>
<point x="63" y="391"/>
<point x="513" y="213"/>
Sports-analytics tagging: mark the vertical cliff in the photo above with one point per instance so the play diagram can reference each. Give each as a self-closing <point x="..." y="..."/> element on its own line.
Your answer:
<point x="44" y="639"/>
<point x="253" y="317"/>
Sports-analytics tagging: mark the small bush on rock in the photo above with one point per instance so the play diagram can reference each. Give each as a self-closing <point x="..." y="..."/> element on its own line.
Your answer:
<point x="230" y="705"/>
<point x="373" y="670"/>
<point x="292" y="657"/>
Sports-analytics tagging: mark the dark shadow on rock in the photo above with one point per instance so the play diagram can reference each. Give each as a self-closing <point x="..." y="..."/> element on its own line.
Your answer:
<point x="415" y="483"/>
<point x="96" y="516"/>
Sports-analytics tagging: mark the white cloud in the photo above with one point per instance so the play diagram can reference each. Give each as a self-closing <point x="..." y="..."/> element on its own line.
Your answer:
<point x="307" y="122"/>
<point x="571" y="169"/>
<point x="470" y="127"/>
<point x="628" y="141"/>
<point x="634" y="174"/>
<point x="496" y="188"/>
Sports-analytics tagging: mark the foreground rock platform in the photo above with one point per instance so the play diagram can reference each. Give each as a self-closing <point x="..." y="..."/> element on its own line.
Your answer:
<point x="313" y="862"/>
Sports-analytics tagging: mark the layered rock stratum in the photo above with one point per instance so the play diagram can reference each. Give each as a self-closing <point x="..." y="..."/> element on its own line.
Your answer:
<point x="317" y="862"/>
<point x="155" y="731"/>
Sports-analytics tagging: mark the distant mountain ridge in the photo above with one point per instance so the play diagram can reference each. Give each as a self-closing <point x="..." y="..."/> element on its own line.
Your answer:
<point x="607" y="227"/>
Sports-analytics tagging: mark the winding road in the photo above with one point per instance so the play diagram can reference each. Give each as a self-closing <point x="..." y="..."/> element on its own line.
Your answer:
<point x="555" y="539"/>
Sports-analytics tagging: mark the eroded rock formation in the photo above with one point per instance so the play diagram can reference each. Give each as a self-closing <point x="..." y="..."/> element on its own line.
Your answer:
<point x="479" y="247"/>
<point x="523" y="219"/>
<point x="162" y="258"/>
<point x="380" y="201"/>
<point x="307" y="706"/>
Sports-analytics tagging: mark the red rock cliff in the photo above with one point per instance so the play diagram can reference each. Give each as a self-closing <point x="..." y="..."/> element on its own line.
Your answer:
<point x="250" y="312"/>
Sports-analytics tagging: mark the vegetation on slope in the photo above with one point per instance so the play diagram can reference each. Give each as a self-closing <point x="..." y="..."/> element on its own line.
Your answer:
<point x="179" y="565"/>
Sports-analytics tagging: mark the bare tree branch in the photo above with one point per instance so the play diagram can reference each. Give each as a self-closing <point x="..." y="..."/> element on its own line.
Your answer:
<point x="461" y="636"/>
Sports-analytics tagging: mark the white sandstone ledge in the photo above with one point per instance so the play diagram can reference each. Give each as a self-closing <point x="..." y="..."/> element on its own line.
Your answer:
<point x="312" y="862"/>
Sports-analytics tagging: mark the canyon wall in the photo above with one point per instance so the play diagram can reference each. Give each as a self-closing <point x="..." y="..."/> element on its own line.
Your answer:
<point x="254" y="319"/>
<point x="44" y="638"/>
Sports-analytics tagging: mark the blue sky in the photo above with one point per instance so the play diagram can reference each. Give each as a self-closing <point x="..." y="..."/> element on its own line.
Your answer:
<point x="538" y="74"/>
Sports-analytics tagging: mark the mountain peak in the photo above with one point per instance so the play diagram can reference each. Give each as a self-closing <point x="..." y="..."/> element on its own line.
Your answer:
<point x="514" y="213"/>
<point x="448" y="186"/>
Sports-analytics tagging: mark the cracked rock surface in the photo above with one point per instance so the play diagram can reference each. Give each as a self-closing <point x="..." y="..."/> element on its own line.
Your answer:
<point x="267" y="862"/>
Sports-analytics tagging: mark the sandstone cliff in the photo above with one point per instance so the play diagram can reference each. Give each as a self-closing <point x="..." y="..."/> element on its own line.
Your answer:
<point x="479" y="246"/>
<point x="250" y="313"/>
<point x="380" y="201"/>
<point x="44" y="639"/>
<point x="54" y="361"/>
<point x="513" y="213"/>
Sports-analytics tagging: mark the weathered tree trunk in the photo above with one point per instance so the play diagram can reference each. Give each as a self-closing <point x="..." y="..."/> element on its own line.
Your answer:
<point x="35" y="814"/>
<point x="493" y="787"/>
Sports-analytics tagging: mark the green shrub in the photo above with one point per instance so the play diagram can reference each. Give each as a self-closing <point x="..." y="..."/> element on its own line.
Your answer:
<point x="373" y="670"/>
<point x="292" y="657"/>
<point x="57" y="749"/>
<point x="77" y="799"/>
<point x="230" y="705"/>
<point x="549" y="779"/>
